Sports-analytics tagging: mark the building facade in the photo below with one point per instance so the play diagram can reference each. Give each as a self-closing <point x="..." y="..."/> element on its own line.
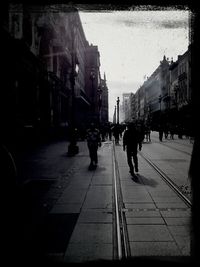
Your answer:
<point x="165" y="97"/>
<point x="93" y="81"/>
<point x="45" y="93"/>
<point x="103" y="104"/>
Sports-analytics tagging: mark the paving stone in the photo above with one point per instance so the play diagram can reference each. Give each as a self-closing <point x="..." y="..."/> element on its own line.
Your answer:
<point x="95" y="216"/>
<point x="140" y="206"/>
<point x="66" y="208"/>
<point x="145" y="221"/>
<point x="92" y="233"/>
<point x="165" y="199"/>
<point x="154" y="249"/>
<point x="149" y="233"/>
<point x="86" y="252"/>
<point x="102" y="180"/>
<point x="72" y="196"/>
<point x="98" y="197"/>
<point x="78" y="183"/>
<point x="166" y="192"/>
<point x="134" y="197"/>
<point x="143" y="213"/>
<point x="179" y="204"/>
<point x="176" y="213"/>
<point x="177" y="221"/>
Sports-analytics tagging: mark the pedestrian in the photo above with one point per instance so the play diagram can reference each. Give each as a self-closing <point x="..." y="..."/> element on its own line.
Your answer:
<point x="131" y="140"/>
<point x="93" y="141"/>
<point x="141" y="130"/>
<point x="171" y="131"/>
<point x="110" y="133"/>
<point x="116" y="133"/>
<point x="148" y="133"/>
<point x="160" y="133"/>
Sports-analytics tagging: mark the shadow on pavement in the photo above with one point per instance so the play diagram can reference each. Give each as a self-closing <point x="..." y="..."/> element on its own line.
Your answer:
<point x="143" y="180"/>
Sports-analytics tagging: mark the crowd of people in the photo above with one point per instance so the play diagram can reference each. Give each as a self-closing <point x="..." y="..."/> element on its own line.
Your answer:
<point x="133" y="135"/>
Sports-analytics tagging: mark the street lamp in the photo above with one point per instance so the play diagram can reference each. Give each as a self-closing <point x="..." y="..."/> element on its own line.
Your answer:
<point x="118" y="110"/>
<point x="114" y="116"/>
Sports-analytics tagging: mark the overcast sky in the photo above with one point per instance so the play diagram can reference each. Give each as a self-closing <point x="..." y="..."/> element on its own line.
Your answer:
<point x="132" y="43"/>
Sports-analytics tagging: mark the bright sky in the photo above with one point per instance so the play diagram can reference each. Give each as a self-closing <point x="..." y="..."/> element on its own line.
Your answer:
<point x="132" y="43"/>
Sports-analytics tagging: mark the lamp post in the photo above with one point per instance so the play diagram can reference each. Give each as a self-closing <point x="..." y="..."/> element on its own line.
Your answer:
<point x="118" y="110"/>
<point x="114" y="116"/>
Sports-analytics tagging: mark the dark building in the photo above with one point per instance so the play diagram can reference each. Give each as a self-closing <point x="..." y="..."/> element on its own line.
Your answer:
<point x="103" y="101"/>
<point x="47" y="93"/>
<point x="93" y="81"/>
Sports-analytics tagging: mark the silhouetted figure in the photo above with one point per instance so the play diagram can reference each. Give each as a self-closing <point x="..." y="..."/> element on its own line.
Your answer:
<point x="93" y="141"/>
<point x="103" y="133"/>
<point x="166" y="133"/>
<point x="148" y="133"/>
<point x="171" y="131"/>
<point x="160" y="133"/>
<point x="73" y="148"/>
<point x="131" y="141"/>
<point x="141" y="130"/>
<point x="110" y="132"/>
<point x="116" y="133"/>
<point x="180" y="132"/>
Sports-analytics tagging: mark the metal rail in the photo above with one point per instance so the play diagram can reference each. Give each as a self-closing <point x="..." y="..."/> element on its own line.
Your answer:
<point x="122" y="242"/>
<point x="119" y="242"/>
<point x="167" y="180"/>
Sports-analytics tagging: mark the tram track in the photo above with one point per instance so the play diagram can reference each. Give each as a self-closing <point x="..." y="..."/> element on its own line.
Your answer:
<point x="123" y="249"/>
<point x="167" y="180"/>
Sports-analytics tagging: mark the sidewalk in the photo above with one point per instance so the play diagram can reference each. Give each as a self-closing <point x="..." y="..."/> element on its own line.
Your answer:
<point x="89" y="195"/>
<point x="61" y="197"/>
<point x="67" y="213"/>
<point x="45" y="173"/>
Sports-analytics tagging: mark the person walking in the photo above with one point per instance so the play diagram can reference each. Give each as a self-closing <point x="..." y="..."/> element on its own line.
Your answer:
<point x="131" y="141"/>
<point x="93" y="141"/>
<point x="160" y="133"/>
<point x="116" y="133"/>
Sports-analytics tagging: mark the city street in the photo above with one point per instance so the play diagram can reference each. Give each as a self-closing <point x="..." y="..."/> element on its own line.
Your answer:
<point x="67" y="213"/>
<point x="81" y="93"/>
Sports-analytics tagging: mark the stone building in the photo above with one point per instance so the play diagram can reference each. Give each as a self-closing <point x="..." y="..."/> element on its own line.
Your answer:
<point x="165" y="97"/>
<point x="49" y="92"/>
<point x="93" y="81"/>
<point x="103" y="101"/>
<point x="126" y="106"/>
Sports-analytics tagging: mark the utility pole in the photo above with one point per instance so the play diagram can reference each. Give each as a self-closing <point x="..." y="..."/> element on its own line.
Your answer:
<point x="118" y="110"/>
<point x="114" y="116"/>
